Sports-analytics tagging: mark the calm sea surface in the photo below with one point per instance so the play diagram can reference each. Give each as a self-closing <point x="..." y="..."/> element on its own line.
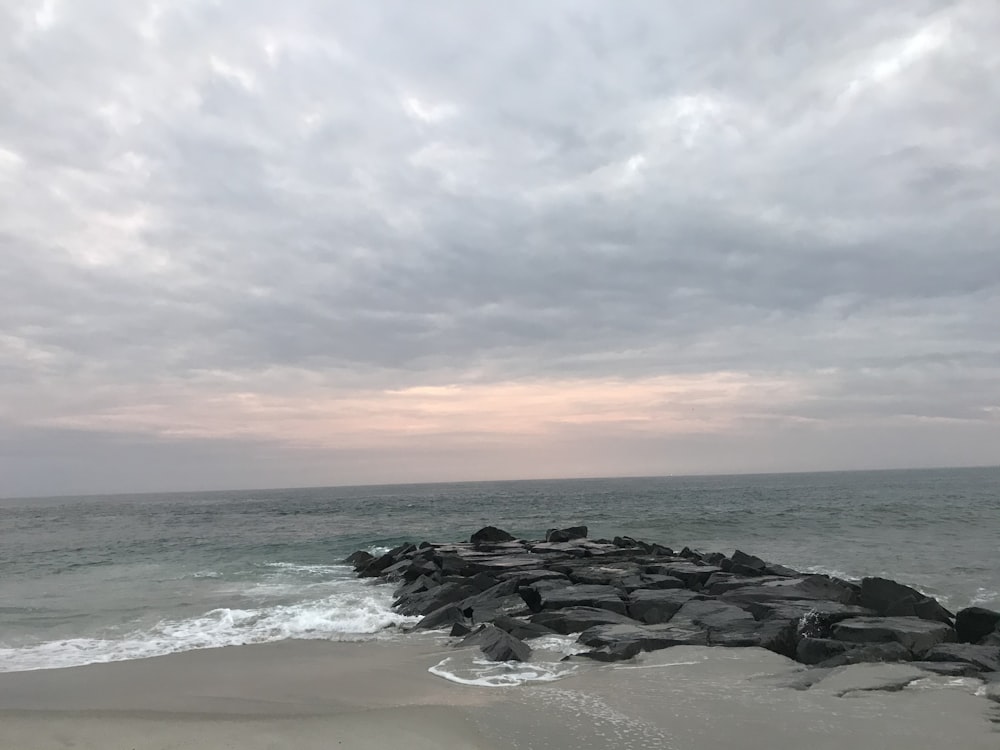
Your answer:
<point x="122" y="577"/>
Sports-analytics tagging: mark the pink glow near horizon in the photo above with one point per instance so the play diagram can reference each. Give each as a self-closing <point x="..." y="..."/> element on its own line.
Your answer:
<point x="326" y="418"/>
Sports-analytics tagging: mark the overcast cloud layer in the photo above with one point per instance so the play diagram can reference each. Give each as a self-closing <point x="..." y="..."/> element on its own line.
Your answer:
<point x="253" y="243"/>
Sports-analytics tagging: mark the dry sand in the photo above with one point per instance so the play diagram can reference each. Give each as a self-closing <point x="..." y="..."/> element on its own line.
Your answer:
<point x="379" y="695"/>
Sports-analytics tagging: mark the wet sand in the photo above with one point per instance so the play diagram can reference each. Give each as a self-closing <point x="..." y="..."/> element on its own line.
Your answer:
<point x="315" y="694"/>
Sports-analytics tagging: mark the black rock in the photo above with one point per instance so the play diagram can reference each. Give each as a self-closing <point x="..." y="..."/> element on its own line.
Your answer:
<point x="425" y="602"/>
<point x="814" y="617"/>
<point x="750" y="562"/>
<point x="982" y="658"/>
<point x="359" y="559"/>
<point x="817" y="650"/>
<point x="915" y="634"/>
<point x="728" y="625"/>
<point x="651" y="581"/>
<point x="871" y="652"/>
<point x="527" y="577"/>
<point x="720" y="583"/>
<point x="615" y="652"/>
<point x="641" y="637"/>
<point x="893" y="599"/>
<point x="975" y="623"/>
<point x="423" y="583"/>
<point x="601" y="597"/>
<point x="491" y="534"/>
<point x="577" y="619"/>
<point x="713" y="614"/>
<point x="483" y="581"/>
<point x="599" y="574"/>
<point x="375" y="566"/>
<point x="486" y="605"/>
<point x="822" y="588"/>
<point x="449" y="614"/>
<point x="497" y="644"/>
<point x="653" y="607"/>
<point x="566" y="535"/>
<point x="557" y="550"/>
<point x="521" y="629"/>
<point x="693" y="576"/>
<point x="459" y="629"/>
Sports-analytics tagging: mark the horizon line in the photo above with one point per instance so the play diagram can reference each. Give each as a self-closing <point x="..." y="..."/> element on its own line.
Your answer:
<point x="498" y="481"/>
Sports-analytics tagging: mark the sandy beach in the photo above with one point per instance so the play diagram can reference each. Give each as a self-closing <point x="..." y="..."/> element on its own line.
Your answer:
<point x="312" y="694"/>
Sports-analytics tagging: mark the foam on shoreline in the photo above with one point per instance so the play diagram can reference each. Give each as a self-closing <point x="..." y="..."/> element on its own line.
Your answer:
<point x="352" y="611"/>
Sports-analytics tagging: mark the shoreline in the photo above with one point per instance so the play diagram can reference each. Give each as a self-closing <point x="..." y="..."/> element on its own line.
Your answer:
<point x="312" y="694"/>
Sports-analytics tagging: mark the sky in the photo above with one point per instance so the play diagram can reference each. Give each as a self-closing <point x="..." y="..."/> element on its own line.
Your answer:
<point x="257" y="244"/>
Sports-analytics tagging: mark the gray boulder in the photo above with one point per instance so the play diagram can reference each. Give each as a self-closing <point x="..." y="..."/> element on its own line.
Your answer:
<point x="566" y="535"/>
<point x="983" y="658"/>
<point x="497" y="644"/>
<point x="972" y="624"/>
<point x="606" y="574"/>
<point x="491" y="534"/>
<point x="813" y="618"/>
<point x="694" y="576"/>
<point x="521" y="629"/>
<point x="868" y="653"/>
<point x="913" y="633"/>
<point x="817" y="650"/>
<point x="892" y="599"/>
<point x="817" y="587"/>
<point x="655" y="606"/>
<point x="442" y="617"/>
<point x="425" y="602"/>
<point x="577" y="619"/>
<point x="600" y="597"/>
<point x="641" y="637"/>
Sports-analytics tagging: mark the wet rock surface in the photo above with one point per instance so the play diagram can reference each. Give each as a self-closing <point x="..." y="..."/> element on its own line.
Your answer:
<point x="626" y="596"/>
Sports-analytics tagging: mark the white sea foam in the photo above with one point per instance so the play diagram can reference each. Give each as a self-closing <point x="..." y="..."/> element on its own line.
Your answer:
<point x="310" y="570"/>
<point x="823" y="571"/>
<point x="353" y="613"/>
<point x="206" y="574"/>
<point x="485" y="673"/>
<point x="562" y="644"/>
<point x="985" y="596"/>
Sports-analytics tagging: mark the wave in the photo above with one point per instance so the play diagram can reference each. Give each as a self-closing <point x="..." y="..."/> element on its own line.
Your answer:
<point x="357" y="612"/>
<point x="485" y="673"/>
<point x="469" y="668"/>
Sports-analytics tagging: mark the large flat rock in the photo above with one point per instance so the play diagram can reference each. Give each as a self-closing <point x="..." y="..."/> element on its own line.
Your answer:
<point x="578" y="619"/>
<point x="983" y="658"/>
<point x="600" y="597"/>
<point x="645" y="638"/>
<point x="656" y="606"/>
<point x="820" y="588"/>
<point x="914" y="633"/>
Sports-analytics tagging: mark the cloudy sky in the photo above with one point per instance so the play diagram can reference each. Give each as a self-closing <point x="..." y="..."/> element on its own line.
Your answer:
<point x="247" y="243"/>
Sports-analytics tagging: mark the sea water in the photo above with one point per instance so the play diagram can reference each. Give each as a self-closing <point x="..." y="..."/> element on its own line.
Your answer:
<point x="95" y="579"/>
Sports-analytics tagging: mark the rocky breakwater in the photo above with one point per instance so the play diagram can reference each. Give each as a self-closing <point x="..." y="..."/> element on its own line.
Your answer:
<point x="624" y="596"/>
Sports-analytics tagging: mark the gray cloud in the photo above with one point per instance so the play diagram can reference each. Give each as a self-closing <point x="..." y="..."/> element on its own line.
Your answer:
<point x="390" y="195"/>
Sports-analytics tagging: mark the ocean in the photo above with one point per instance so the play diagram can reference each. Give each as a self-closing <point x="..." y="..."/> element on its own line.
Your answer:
<point x="96" y="579"/>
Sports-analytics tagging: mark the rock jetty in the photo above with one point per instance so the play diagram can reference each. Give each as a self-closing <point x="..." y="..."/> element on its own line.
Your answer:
<point x="624" y="596"/>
